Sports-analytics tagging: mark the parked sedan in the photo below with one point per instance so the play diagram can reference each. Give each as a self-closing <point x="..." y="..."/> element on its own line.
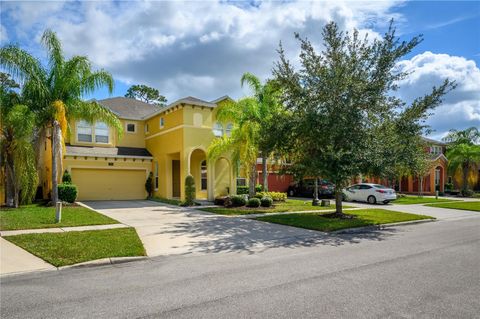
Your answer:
<point x="371" y="193"/>
<point x="306" y="188"/>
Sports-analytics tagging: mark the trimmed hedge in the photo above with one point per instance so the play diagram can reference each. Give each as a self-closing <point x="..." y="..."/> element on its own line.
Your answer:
<point x="243" y="190"/>
<point x="238" y="201"/>
<point x="276" y="196"/>
<point x="253" y="202"/>
<point x="266" y="202"/>
<point x="190" y="191"/>
<point x="66" y="178"/>
<point x="67" y="192"/>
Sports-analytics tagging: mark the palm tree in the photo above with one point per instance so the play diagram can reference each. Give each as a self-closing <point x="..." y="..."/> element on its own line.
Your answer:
<point x="54" y="93"/>
<point x="470" y="136"/>
<point x="242" y="144"/>
<point x="16" y="148"/>
<point x="267" y="107"/>
<point x="465" y="157"/>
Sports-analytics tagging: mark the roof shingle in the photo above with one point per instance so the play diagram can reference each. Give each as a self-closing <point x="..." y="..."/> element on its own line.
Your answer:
<point x="129" y="108"/>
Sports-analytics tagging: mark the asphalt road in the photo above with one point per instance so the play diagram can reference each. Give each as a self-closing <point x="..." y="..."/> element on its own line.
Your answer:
<point x="429" y="270"/>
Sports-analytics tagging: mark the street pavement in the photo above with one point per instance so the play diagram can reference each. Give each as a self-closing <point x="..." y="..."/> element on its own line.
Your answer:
<point x="428" y="270"/>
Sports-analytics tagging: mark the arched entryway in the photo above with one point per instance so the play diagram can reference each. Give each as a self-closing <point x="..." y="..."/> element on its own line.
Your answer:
<point x="438" y="180"/>
<point x="199" y="169"/>
<point x="222" y="177"/>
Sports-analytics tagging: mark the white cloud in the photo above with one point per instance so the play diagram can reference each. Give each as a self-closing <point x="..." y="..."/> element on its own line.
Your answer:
<point x="461" y="107"/>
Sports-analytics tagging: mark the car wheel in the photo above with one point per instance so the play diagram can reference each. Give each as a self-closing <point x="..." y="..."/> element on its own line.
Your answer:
<point x="371" y="199"/>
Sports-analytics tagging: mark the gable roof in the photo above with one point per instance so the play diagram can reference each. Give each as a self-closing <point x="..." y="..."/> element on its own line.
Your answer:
<point x="222" y="98"/>
<point x="190" y="100"/>
<point x="431" y="141"/>
<point x="128" y="108"/>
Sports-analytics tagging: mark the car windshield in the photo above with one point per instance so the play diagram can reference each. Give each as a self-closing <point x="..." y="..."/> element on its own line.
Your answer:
<point x="380" y="186"/>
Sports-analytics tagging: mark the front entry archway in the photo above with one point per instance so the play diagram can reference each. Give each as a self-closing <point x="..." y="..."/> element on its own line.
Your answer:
<point x="199" y="170"/>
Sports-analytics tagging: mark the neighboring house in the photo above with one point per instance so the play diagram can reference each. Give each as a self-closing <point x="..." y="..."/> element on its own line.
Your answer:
<point x="170" y="142"/>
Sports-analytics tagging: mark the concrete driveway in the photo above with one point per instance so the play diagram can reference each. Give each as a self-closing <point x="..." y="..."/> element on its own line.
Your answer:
<point x="166" y="229"/>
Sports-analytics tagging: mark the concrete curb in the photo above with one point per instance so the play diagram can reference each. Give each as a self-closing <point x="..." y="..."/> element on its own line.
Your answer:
<point x="104" y="262"/>
<point x="381" y="226"/>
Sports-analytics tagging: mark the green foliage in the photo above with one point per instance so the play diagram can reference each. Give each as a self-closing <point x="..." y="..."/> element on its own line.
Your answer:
<point x="276" y="196"/>
<point x="253" y="202"/>
<point x="266" y="202"/>
<point x="340" y="103"/>
<point x="258" y="188"/>
<point x="66" y="178"/>
<point x="237" y="201"/>
<point x="469" y="136"/>
<point x="149" y="187"/>
<point x="67" y="192"/>
<point x="448" y="186"/>
<point x="146" y="94"/>
<point x="465" y="157"/>
<point x="190" y="191"/>
<point x="467" y="192"/>
<point x="241" y="190"/>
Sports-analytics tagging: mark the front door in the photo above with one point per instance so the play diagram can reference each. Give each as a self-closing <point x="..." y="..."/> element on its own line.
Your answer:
<point x="437" y="179"/>
<point x="175" y="178"/>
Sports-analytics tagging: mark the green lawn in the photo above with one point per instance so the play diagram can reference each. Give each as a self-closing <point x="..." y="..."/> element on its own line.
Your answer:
<point x="61" y="249"/>
<point x="38" y="216"/>
<point x="290" y="205"/>
<point x="408" y="200"/>
<point x="475" y="206"/>
<point x="364" y="217"/>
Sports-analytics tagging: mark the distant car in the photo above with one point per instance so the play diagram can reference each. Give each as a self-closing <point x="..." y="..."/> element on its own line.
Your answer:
<point x="306" y="188"/>
<point x="370" y="193"/>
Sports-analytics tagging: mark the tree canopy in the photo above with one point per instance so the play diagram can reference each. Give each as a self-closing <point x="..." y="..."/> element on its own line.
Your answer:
<point x="343" y="112"/>
<point x="146" y="94"/>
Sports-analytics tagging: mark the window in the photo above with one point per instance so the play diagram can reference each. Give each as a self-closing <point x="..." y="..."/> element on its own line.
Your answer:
<point x="146" y="127"/>
<point x="217" y="129"/>
<point x="203" y="172"/>
<point x="197" y="120"/>
<point x="367" y="186"/>
<point x="156" y="175"/>
<point x="241" y="181"/>
<point x="101" y="132"/>
<point x="162" y="122"/>
<point x="436" y="149"/>
<point x="228" y="129"/>
<point x="84" y="132"/>
<point x="131" y="127"/>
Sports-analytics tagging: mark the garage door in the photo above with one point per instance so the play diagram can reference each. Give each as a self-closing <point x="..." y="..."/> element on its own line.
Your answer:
<point x="109" y="184"/>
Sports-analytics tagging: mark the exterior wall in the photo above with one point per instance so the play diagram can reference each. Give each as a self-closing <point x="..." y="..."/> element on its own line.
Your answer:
<point x="129" y="139"/>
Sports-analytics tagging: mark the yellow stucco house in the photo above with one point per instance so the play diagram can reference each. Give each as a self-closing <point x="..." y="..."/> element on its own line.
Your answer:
<point x="171" y="142"/>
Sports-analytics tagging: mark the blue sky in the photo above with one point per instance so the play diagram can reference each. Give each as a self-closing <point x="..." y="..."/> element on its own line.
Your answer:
<point x="202" y="48"/>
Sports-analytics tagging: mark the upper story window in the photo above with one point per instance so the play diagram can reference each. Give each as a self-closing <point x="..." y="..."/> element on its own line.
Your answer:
<point x="101" y="132"/>
<point x="435" y="149"/>
<point x="131" y="128"/>
<point x="228" y="129"/>
<point x="162" y="122"/>
<point x="217" y="129"/>
<point x="84" y="131"/>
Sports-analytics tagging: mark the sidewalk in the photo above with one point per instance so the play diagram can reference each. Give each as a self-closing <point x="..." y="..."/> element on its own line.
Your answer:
<point x="4" y="233"/>
<point x="14" y="259"/>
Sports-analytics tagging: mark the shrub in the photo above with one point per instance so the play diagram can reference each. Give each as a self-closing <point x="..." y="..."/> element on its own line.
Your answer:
<point x="253" y="202"/>
<point x="266" y="202"/>
<point x="467" y="193"/>
<point x="258" y="188"/>
<point x="189" y="191"/>
<point x="238" y="200"/>
<point x="66" y="178"/>
<point x="276" y="196"/>
<point x="258" y="195"/>
<point x="67" y="192"/>
<point x="149" y="185"/>
<point x="241" y="190"/>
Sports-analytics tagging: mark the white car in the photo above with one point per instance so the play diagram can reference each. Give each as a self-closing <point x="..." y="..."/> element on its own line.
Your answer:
<point x="370" y="193"/>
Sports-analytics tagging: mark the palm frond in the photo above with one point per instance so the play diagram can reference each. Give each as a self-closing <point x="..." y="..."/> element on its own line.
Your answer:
<point x="54" y="47"/>
<point x="252" y="81"/>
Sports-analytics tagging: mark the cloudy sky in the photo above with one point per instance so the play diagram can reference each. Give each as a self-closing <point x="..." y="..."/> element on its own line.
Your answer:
<point x="201" y="48"/>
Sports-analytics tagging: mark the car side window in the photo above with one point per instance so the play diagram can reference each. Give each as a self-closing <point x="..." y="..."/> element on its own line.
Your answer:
<point x="365" y="187"/>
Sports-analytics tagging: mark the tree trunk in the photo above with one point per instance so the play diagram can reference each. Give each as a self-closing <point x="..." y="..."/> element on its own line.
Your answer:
<point x="55" y="128"/>
<point x="400" y="185"/>
<point x="253" y="180"/>
<point x="338" y="201"/>
<point x="465" y="177"/>
<point x="265" y="173"/>
<point x="10" y="181"/>
<point x="420" y="188"/>
<point x="315" y="193"/>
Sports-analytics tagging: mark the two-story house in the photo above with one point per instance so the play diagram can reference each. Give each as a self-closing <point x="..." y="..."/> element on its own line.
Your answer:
<point x="171" y="142"/>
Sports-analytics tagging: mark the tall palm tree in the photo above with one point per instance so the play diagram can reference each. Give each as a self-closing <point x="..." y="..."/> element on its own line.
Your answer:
<point x="466" y="157"/>
<point x="54" y="93"/>
<point x="267" y="106"/>
<point x="242" y="144"/>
